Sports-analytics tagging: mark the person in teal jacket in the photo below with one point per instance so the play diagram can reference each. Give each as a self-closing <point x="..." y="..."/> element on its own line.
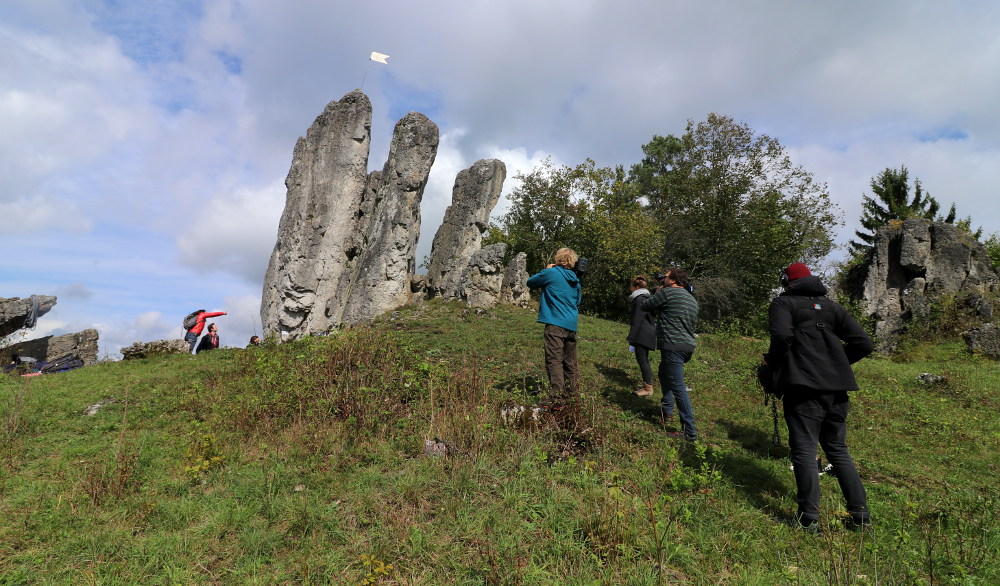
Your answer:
<point x="559" y="311"/>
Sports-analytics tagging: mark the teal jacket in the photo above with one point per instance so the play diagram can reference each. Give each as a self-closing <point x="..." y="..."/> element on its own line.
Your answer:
<point x="561" y="294"/>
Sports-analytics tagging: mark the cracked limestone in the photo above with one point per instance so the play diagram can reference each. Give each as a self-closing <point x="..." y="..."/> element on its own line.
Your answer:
<point x="460" y="236"/>
<point x="346" y="239"/>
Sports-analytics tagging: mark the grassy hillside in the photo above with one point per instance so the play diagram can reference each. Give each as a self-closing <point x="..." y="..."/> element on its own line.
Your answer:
<point x="306" y="463"/>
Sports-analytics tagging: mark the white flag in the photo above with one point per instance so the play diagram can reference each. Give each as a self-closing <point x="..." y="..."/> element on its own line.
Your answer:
<point x="379" y="57"/>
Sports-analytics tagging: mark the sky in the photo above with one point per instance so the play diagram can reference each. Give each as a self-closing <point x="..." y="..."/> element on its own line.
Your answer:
<point x="144" y="145"/>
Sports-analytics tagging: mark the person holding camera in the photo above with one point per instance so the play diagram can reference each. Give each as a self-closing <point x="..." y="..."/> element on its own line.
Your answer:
<point x="814" y="342"/>
<point x="676" y="312"/>
<point x="559" y="311"/>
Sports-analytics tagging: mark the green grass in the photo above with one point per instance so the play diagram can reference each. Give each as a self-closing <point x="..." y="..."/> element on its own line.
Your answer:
<point x="305" y="463"/>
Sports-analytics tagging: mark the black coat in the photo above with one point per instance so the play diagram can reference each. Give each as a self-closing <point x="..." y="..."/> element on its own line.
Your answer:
<point x="643" y="327"/>
<point x="814" y="340"/>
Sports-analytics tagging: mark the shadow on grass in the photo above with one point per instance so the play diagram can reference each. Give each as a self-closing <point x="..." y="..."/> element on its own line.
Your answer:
<point x="758" y="483"/>
<point x="619" y="391"/>
<point x="761" y="487"/>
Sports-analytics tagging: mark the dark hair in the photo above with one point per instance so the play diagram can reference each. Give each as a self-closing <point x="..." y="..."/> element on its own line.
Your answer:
<point x="680" y="277"/>
<point x="639" y="282"/>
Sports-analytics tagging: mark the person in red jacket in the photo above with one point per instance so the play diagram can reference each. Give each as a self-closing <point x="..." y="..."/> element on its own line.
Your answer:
<point x="191" y="337"/>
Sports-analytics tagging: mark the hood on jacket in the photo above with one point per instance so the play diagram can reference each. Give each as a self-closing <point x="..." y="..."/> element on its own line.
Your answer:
<point x="807" y="286"/>
<point x="638" y="292"/>
<point x="570" y="276"/>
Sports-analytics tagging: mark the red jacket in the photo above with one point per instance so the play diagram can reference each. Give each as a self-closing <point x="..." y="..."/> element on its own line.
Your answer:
<point x="200" y="322"/>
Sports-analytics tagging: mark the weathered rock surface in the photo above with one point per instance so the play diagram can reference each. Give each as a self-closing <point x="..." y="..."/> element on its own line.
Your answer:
<point x="984" y="340"/>
<point x="17" y="313"/>
<point x="515" y="282"/>
<point x="317" y="236"/>
<point x="476" y="192"/>
<point x="48" y="348"/>
<point x="156" y="348"/>
<point x="345" y="247"/>
<point x="380" y="275"/>
<point x="911" y="263"/>
<point x="482" y="280"/>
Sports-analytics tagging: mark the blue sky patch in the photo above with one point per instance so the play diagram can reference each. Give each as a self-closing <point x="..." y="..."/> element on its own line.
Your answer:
<point x="944" y="133"/>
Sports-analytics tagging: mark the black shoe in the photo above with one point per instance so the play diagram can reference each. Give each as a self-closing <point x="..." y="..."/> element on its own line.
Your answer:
<point x="810" y="527"/>
<point x="858" y="523"/>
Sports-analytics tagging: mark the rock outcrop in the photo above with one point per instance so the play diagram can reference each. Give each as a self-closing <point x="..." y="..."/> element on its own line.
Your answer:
<point x="48" y="348"/>
<point x="380" y="276"/>
<point x="984" y="340"/>
<point x="910" y="264"/>
<point x="345" y="247"/>
<point x="515" y="282"/>
<point x="156" y="348"/>
<point x="308" y="271"/>
<point x="476" y="191"/>
<point x="17" y="313"/>
<point x="482" y="280"/>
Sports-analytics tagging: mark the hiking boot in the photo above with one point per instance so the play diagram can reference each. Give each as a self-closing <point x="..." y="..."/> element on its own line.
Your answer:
<point x="858" y="523"/>
<point x="810" y="527"/>
<point x="645" y="390"/>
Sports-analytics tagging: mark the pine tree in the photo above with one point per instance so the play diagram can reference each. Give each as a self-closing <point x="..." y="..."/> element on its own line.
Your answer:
<point x="891" y="201"/>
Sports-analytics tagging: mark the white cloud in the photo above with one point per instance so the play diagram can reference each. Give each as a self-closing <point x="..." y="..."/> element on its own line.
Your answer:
<point x="234" y="232"/>
<point x="144" y="146"/>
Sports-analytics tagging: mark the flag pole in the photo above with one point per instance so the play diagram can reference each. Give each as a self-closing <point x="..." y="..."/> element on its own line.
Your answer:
<point x="366" y="75"/>
<point x="375" y="56"/>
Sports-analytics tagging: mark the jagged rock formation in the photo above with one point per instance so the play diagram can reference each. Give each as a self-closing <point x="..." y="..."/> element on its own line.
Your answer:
<point x="984" y="340"/>
<point x="48" y="348"/>
<point x="326" y="186"/>
<point x="156" y="348"/>
<point x="346" y="239"/>
<point x="911" y="263"/>
<point x="476" y="191"/>
<point x="345" y="251"/>
<point x="515" y="282"/>
<point x="380" y="278"/>
<point x="481" y="282"/>
<point x="17" y="313"/>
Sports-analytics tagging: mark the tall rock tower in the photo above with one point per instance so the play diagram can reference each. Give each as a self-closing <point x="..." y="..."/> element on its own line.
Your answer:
<point x="345" y="246"/>
<point x="477" y="190"/>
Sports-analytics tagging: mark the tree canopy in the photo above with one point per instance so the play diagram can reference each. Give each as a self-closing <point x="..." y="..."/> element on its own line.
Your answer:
<point x="733" y="209"/>
<point x="721" y="201"/>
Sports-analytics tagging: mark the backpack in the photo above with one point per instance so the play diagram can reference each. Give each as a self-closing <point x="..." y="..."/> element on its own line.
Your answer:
<point x="191" y="319"/>
<point x="64" y="362"/>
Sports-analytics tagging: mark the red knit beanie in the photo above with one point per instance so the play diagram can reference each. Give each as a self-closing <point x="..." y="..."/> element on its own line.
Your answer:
<point x="797" y="270"/>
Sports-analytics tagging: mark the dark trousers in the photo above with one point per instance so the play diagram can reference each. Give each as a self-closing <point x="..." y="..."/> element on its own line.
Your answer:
<point x="191" y="338"/>
<point x="642" y="357"/>
<point x="560" y="359"/>
<point x="822" y="419"/>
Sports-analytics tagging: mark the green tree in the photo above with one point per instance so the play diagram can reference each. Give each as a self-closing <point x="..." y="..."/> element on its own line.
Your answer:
<point x="733" y="210"/>
<point x="594" y="210"/>
<point x="545" y="213"/>
<point x="890" y="200"/>
<point x="993" y="249"/>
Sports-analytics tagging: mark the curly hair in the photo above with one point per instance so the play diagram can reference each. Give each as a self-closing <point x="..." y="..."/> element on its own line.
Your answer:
<point x="566" y="257"/>
<point x="680" y="277"/>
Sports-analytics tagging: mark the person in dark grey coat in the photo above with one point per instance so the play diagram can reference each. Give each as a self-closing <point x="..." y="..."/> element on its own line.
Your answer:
<point x="642" y="334"/>
<point x="814" y="341"/>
